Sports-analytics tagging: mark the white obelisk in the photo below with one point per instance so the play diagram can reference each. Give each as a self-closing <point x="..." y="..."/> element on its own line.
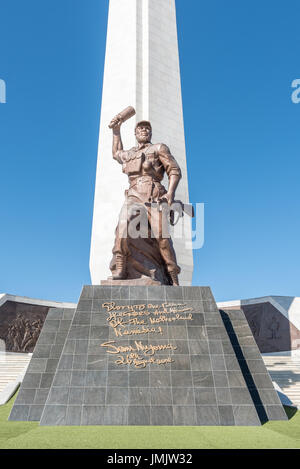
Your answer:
<point x="141" y="70"/>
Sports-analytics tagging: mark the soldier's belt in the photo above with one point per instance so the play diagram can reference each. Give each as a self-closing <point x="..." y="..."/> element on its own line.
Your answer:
<point x="141" y="179"/>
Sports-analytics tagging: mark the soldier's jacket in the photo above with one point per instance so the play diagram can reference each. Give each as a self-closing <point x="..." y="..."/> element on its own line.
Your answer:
<point x="145" y="166"/>
<point x="148" y="160"/>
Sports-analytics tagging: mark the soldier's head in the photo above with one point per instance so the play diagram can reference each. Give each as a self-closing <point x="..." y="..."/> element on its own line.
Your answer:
<point x="143" y="132"/>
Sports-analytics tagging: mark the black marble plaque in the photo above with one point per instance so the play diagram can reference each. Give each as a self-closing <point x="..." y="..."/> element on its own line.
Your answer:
<point x="156" y="355"/>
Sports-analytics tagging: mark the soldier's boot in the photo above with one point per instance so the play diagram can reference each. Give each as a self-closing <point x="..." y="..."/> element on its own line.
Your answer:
<point x="120" y="272"/>
<point x="174" y="278"/>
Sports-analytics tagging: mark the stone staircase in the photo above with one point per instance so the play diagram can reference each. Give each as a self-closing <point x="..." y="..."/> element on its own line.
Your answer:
<point x="12" y="367"/>
<point x="285" y="371"/>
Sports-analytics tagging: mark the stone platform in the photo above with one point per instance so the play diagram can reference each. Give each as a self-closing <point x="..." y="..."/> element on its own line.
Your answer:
<point x="138" y="355"/>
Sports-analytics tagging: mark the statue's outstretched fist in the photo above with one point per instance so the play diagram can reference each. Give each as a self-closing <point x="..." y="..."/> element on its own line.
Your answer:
<point x="115" y="123"/>
<point x="123" y="116"/>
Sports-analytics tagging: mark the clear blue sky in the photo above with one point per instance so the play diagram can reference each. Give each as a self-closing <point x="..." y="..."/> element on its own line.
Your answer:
<point x="238" y="60"/>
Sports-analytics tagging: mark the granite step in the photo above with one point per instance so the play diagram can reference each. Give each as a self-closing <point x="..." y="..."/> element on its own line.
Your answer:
<point x="285" y="371"/>
<point x="12" y="365"/>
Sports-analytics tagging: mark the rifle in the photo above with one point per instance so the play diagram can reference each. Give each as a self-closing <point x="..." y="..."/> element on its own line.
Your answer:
<point x="177" y="206"/>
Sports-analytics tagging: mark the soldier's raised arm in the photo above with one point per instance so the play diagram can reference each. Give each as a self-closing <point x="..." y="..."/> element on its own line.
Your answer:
<point x="115" y="125"/>
<point x="117" y="146"/>
<point x="172" y="169"/>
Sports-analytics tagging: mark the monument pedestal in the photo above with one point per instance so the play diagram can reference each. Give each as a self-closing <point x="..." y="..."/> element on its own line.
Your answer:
<point x="151" y="355"/>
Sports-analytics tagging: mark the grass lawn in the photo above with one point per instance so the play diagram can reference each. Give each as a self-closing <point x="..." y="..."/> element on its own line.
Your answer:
<point x="17" y="435"/>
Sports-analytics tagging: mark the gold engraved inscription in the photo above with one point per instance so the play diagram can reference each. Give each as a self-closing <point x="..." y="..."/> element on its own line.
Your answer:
<point x="146" y="349"/>
<point x="139" y="362"/>
<point x="143" y="319"/>
<point x="131" y="355"/>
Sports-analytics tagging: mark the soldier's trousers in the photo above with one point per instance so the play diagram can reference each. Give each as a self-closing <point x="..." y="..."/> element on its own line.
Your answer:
<point x="138" y="221"/>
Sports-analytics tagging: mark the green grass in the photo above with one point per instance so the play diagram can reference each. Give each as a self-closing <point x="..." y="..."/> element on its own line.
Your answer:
<point x="17" y="435"/>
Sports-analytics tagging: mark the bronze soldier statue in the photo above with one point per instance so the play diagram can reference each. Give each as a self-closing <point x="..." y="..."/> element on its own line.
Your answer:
<point x="145" y="165"/>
